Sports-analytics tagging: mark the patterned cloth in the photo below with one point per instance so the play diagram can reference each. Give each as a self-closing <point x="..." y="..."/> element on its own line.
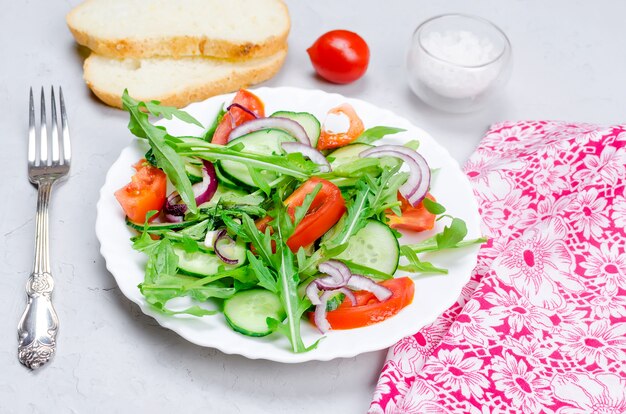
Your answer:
<point x="541" y="326"/>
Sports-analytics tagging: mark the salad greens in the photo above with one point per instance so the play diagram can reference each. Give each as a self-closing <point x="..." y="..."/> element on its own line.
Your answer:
<point x="183" y="256"/>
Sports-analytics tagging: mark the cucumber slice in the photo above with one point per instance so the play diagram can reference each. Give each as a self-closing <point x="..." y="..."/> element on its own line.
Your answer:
<point x="308" y="121"/>
<point x="159" y="226"/>
<point x="266" y="142"/>
<point x="247" y="311"/>
<point x="201" y="264"/>
<point x="346" y="154"/>
<point x="194" y="172"/>
<point x="224" y="179"/>
<point x="374" y="246"/>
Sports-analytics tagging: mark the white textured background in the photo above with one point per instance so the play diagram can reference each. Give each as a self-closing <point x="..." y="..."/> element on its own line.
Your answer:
<point x="569" y="60"/>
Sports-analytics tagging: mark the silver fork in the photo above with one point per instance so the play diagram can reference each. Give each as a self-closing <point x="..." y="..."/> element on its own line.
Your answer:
<point x="48" y="160"/>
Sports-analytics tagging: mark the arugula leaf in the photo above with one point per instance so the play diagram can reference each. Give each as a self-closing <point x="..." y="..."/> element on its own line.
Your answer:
<point x="143" y="242"/>
<point x="266" y="279"/>
<point x="301" y="258"/>
<point x="283" y="265"/>
<point x="368" y="271"/>
<point x="294" y="165"/>
<point x="357" y="213"/>
<point x="302" y="209"/>
<point x="208" y="134"/>
<point x="384" y="191"/>
<point x="262" y="242"/>
<point x="259" y="180"/>
<point x="150" y="158"/>
<point x="189" y="245"/>
<point x="373" y="196"/>
<point x="413" y="144"/>
<point x="374" y="134"/>
<point x="196" y="231"/>
<point x="355" y="168"/>
<point x="162" y="261"/>
<point x="168" y="112"/>
<point x="452" y="235"/>
<point x="192" y="310"/>
<point x="288" y="282"/>
<point x="416" y="265"/>
<point x="234" y="200"/>
<point x="283" y="329"/>
<point x="167" y="158"/>
<point x="433" y="207"/>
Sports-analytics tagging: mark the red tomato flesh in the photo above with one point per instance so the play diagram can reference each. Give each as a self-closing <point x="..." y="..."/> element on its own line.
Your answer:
<point x="237" y="116"/>
<point x="340" y="56"/>
<point x="369" y="310"/>
<point x="145" y="192"/>
<point x="413" y="218"/>
<point x="326" y="209"/>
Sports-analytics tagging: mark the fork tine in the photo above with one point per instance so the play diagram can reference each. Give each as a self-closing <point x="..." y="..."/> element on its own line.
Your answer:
<point x="32" y="135"/>
<point x="65" y="130"/>
<point x="43" y="136"/>
<point x="55" y="129"/>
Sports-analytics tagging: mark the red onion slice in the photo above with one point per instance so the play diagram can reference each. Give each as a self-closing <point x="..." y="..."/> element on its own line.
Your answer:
<point x="313" y="293"/>
<point x="339" y="279"/>
<point x="173" y="209"/>
<point x="243" y="108"/>
<point x="348" y="293"/>
<point x="416" y="186"/>
<point x="171" y="218"/>
<point x="288" y="125"/>
<point x="205" y="190"/>
<point x="223" y="236"/>
<point x="320" y="313"/>
<point x="338" y="275"/>
<point x="309" y="152"/>
<point x="358" y="282"/>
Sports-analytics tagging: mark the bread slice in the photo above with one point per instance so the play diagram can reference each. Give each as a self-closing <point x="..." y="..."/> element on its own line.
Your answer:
<point x="232" y="29"/>
<point x="174" y="82"/>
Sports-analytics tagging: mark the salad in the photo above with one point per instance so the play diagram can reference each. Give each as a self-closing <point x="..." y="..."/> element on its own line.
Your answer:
<point x="279" y="220"/>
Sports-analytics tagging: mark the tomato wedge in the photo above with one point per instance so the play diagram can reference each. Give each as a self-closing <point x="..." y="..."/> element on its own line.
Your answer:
<point x="326" y="209"/>
<point x="237" y="116"/>
<point x="145" y="192"/>
<point x="368" y="310"/>
<point x="413" y="218"/>
<point x="329" y="140"/>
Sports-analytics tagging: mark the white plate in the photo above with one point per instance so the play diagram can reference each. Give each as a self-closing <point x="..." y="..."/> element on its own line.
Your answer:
<point x="433" y="294"/>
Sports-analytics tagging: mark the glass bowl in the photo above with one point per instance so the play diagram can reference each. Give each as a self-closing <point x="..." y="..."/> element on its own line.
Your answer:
<point x="457" y="62"/>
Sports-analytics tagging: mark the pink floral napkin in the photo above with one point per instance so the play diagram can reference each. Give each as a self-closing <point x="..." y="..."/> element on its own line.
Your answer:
<point x="541" y="326"/>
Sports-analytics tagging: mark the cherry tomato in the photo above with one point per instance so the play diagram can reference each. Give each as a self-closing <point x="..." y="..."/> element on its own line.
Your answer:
<point x="369" y="310"/>
<point x="329" y="140"/>
<point x="145" y="192"/>
<point x="326" y="209"/>
<point x="413" y="218"/>
<point x="340" y="56"/>
<point x="237" y="116"/>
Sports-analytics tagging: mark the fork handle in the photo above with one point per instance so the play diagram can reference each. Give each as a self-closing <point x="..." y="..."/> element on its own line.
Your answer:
<point x="38" y="327"/>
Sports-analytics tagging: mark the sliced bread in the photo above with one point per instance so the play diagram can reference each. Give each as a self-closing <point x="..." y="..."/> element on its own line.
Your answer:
<point x="232" y="29"/>
<point x="174" y="82"/>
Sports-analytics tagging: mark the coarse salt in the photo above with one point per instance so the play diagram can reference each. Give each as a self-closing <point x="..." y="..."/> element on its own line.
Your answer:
<point x="456" y="64"/>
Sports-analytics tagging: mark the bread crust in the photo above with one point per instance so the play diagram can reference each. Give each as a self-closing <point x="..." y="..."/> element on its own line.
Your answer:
<point x="179" y="46"/>
<point x="195" y="93"/>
